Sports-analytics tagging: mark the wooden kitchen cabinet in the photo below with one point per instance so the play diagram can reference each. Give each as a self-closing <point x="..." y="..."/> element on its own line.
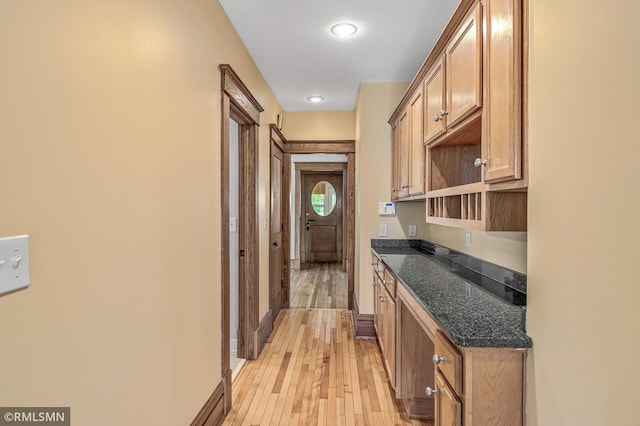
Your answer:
<point x="454" y="385"/>
<point x="448" y="408"/>
<point x="416" y="145"/>
<point x="453" y="86"/>
<point x="463" y="60"/>
<point x="415" y="371"/>
<point x="435" y="101"/>
<point x="384" y="317"/>
<point x="401" y="151"/>
<point x="408" y="151"/>
<point x="472" y="83"/>
<point x="502" y="115"/>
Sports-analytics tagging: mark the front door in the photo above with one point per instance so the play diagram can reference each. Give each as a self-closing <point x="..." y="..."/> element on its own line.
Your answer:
<point x="322" y="217"/>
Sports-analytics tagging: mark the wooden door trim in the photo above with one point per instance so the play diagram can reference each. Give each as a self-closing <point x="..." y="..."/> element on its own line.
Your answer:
<point x="238" y="103"/>
<point x="347" y="147"/>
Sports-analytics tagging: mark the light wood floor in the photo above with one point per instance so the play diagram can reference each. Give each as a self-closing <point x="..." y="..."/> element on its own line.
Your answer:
<point x="319" y="285"/>
<point x="313" y="372"/>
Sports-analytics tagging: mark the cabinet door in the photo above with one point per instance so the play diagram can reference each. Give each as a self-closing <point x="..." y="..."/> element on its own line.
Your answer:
<point x="416" y="152"/>
<point x="502" y="113"/>
<point x="403" y="147"/>
<point x="464" y="69"/>
<point x="377" y="317"/>
<point x="415" y="350"/>
<point x="395" y="161"/>
<point x="435" y="101"/>
<point x="389" y="333"/>
<point x="448" y="407"/>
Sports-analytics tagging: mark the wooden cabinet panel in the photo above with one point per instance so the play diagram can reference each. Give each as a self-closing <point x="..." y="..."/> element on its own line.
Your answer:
<point x="416" y="372"/>
<point x="502" y="113"/>
<point x="464" y="69"/>
<point x="449" y="362"/>
<point x="447" y="406"/>
<point x="389" y="334"/>
<point x="395" y="162"/>
<point x="377" y="317"/>
<point x="403" y="147"/>
<point x="416" y="153"/>
<point x="435" y="101"/>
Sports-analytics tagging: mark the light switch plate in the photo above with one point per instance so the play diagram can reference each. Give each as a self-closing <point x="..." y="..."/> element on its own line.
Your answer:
<point x="14" y="263"/>
<point x="467" y="241"/>
<point x="383" y="230"/>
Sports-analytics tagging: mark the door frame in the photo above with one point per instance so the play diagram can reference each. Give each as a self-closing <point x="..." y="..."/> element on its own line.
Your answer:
<point x="347" y="147"/>
<point x="302" y="171"/>
<point x="238" y="103"/>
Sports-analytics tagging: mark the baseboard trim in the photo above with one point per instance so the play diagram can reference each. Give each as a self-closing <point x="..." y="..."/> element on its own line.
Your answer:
<point x="294" y="264"/>
<point x="212" y="413"/>
<point x="263" y="332"/>
<point x="363" y="323"/>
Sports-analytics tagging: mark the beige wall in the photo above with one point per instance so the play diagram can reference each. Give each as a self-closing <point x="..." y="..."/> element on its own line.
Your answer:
<point x="110" y="137"/>
<point x="319" y="125"/>
<point x="583" y="296"/>
<point x="376" y="102"/>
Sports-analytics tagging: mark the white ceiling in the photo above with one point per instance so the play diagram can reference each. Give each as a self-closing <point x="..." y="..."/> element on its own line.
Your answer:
<point x="290" y="42"/>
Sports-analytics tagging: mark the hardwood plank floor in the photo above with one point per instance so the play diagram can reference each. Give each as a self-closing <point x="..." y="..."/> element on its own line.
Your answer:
<point x="319" y="285"/>
<point x="313" y="371"/>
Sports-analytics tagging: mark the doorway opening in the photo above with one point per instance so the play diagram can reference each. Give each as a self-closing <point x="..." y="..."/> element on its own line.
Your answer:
<point x="240" y="119"/>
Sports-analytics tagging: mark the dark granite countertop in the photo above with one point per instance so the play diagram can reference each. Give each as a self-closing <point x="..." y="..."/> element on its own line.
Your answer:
<point x="473" y="316"/>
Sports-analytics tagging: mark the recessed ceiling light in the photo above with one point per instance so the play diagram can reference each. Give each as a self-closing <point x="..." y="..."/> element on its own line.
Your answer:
<point x="343" y="29"/>
<point x="315" y="99"/>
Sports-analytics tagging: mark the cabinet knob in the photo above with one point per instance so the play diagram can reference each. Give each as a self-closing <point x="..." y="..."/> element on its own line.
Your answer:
<point x="479" y="162"/>
<point x="437" y="359"/>
<point x="381" y="299"/>
<point x="373" y="263"/>
<point x="431" y="392"/>
<point x="436" y="118"/>
<point x="393" y="190"/>
<point x="384" y="282"/>
<point x="443" y="112"/>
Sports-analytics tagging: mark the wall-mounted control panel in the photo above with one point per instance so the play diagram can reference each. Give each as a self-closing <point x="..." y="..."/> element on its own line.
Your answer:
<point x="14" y="263"/>
<point x="387" y="209"/>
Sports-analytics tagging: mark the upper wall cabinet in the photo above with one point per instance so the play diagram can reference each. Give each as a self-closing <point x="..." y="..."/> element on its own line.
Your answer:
<point x="502" y="115"/>
<point x="408" y="151"/>
<point x="453" y="86"/>
<point x="475" y="156"/>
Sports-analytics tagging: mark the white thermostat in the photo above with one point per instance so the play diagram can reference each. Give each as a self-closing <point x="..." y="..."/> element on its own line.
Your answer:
<point x="387" y="209"/>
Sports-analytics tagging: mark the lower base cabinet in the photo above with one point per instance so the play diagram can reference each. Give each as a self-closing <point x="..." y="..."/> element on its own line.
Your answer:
<point x="453" y="385"/>
<point x="415" y="369"/>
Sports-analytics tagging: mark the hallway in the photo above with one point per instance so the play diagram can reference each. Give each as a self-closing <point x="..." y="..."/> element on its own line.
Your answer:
<point x="319" y="285"/>
<point x="313" y="371"/>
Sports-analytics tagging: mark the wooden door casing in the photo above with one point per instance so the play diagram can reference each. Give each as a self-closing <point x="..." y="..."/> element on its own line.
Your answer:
<point x="322" y="234"/>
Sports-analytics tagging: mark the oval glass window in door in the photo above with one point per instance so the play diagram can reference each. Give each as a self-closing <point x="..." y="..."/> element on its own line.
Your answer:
<point x="323" y="198"/>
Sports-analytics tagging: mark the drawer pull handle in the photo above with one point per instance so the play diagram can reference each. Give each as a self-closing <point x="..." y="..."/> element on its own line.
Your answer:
<point x="431" y="392"/>
<point x="437" y="359"/>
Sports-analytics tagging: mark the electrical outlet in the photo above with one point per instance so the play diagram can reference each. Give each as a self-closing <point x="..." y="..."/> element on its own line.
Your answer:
<point x="412" y="230"/>
<point x="467" y="244"/>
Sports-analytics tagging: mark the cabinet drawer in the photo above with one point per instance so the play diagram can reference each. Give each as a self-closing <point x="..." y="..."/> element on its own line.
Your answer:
<point x="389" y="282"/>
<point x="449" y="361"/>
